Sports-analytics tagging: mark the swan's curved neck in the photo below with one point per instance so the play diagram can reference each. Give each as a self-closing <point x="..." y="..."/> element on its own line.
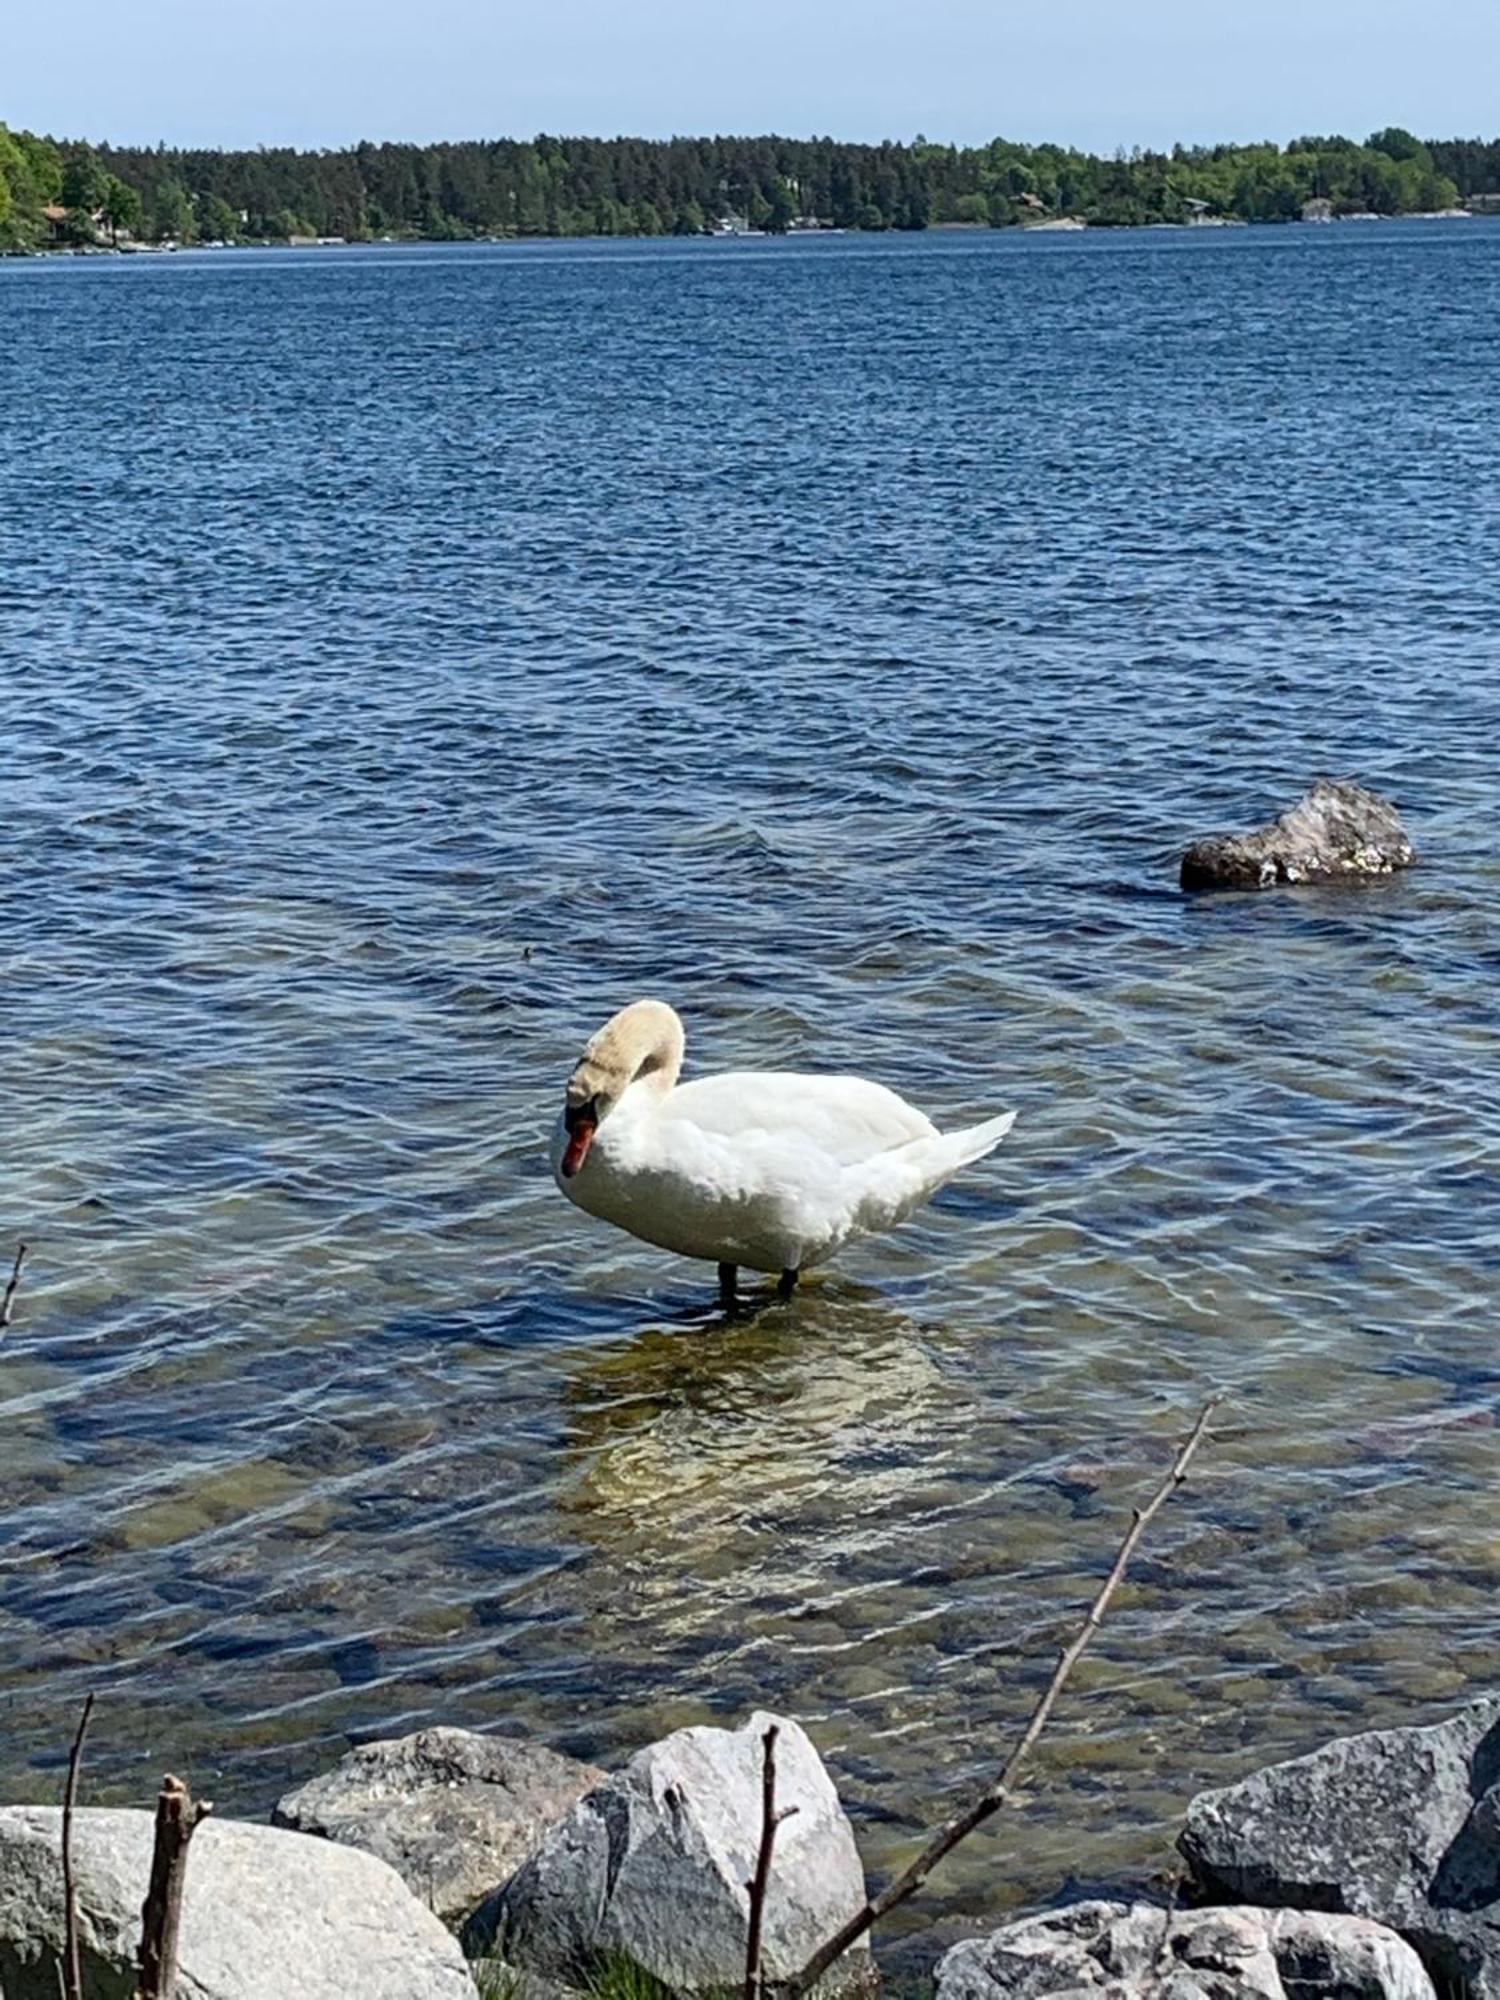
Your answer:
<point x="659" y="1061"/>
<point x="641" y="1049"/>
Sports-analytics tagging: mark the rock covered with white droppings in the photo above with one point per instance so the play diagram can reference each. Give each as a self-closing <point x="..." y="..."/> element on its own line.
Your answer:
<point x="1336" y="831"/>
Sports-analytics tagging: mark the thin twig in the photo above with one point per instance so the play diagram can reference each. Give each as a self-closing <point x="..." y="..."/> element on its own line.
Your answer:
<point x="72" y="1967"/>
<point x="997" y="1794"/>
<point x="177" y="1819"/>
<point x="10" y="1290"/>
<point x="770" y="1819"/>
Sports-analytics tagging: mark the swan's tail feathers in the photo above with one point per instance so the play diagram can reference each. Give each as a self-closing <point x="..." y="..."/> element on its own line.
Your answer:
<point x="976" y="1140"/>
<point x="888" y="1186"/>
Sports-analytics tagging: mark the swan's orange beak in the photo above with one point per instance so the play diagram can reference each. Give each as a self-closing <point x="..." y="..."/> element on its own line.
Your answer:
<point x="581" y="1126"/>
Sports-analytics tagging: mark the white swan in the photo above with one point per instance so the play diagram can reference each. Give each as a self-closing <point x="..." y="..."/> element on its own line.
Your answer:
<point x="756" y="1167"/>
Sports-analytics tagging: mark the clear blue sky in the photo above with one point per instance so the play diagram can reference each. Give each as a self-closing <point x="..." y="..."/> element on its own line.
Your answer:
<point x="1097" y="73"/>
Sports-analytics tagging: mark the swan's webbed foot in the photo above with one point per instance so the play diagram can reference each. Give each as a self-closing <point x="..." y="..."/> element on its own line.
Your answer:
<point x="786" y="1284"/>
<point x="729" y="1286"/>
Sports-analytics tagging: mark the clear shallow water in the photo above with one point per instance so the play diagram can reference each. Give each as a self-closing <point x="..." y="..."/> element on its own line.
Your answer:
<point x="412" y="655"/>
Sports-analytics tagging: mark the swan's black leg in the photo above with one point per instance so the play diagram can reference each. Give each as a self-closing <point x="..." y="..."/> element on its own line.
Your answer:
<point x="786" y="1284"/>
<point x="729" y="1280"/>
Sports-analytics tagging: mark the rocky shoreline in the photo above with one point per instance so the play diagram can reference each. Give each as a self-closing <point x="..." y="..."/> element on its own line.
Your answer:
<point x="448" y="1865"/>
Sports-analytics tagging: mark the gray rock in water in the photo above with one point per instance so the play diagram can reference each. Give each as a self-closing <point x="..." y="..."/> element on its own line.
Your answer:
<point x="1135" y="1951"/>
<point x="1400" y="1825"/>
<point x="453" y="1812"/>
<point x="652" y="1866"/>
<point x="1336" y="831"/>
<point x="265" y="1915"/>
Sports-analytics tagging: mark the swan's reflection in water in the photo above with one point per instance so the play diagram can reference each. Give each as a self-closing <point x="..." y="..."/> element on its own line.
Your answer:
<point x="798" y="1421"/>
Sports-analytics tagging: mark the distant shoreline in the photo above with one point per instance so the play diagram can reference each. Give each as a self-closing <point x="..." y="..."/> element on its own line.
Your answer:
<point x="65" y="194"/>
<point x="1061" y="226"/>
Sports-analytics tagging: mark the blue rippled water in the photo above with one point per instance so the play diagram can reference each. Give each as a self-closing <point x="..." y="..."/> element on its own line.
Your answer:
<point x="410" y="655"/>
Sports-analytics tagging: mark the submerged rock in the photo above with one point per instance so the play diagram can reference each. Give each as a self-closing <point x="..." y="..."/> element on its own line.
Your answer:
<point x="453" y="1812"/>
<point x="1336" y="830"/>
<point x="1136" y="1951"/>
<point x="265" y="1915"/>
<point x="652" y="1866"/>
<point x="1401" y="1825"/>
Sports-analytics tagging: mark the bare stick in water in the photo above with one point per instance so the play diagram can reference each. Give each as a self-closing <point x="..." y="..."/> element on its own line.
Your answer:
<point x="177" y="1820"/>
<point x="770" y="1819"/>
<point x="997" y="1794"/>
<point x="10" y="1290"/>
<point x="72" y="1966"/>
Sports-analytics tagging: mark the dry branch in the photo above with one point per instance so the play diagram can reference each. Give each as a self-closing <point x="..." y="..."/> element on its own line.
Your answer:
<point x="770" y="1819"/>
<point x="72" y="1965"/>
<point x="10" y="1290"/>
<point x="997" y="1794"/>
<point x="177" y="1819"/>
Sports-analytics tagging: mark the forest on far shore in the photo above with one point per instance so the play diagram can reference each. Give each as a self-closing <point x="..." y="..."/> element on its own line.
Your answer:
<point x="62" y="192"/>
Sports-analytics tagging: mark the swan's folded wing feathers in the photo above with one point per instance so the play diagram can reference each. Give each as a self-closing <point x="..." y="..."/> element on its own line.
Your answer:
<point x="848" y="1118"/>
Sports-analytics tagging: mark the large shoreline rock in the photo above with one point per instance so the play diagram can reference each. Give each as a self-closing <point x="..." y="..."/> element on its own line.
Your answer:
<point x="1400" y="1825"/>
<point x="653" y="1866"/>
<point x="1139" y="1951"/>
<point x="266" y="1915"/>
<point x="453" y="1812"/>
<point x="1336" y="831"/>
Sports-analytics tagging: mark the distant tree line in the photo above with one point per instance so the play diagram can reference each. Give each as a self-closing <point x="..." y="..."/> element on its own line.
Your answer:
<point x="66" y="191"/>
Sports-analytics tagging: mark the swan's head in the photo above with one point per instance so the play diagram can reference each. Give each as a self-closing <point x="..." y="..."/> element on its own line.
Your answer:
<point x="643" y="1043"/>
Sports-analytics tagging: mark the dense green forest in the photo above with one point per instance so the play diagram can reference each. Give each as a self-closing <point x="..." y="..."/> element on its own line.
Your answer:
<point x="62" y="191"/>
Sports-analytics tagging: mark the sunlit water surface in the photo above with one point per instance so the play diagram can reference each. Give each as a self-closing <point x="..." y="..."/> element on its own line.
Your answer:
<point x="412" y="655"/>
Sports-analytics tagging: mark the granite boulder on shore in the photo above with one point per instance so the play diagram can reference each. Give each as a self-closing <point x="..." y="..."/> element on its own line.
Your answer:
<point x="653" y="1866"/>
<point x="1139" y="1951"/>
<point x="266" y="1915"/>
<point x="1399" y="1825"/>
<point x="452" y="1811"/>
<point x="1337" y="831"/>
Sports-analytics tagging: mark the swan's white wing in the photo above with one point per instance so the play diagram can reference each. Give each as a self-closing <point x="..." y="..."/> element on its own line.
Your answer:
<point x="846" y="1118"/>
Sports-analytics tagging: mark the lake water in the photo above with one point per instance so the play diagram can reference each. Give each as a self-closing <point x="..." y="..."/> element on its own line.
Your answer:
<point x="412" y="655"/>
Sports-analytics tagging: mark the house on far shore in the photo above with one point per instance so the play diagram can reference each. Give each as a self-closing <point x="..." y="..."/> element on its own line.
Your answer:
<point x="1483" y="204"/>
<point x="64" y="228"/>
<point x="1197" y="211"/>
<point x="1319" y="209"/>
